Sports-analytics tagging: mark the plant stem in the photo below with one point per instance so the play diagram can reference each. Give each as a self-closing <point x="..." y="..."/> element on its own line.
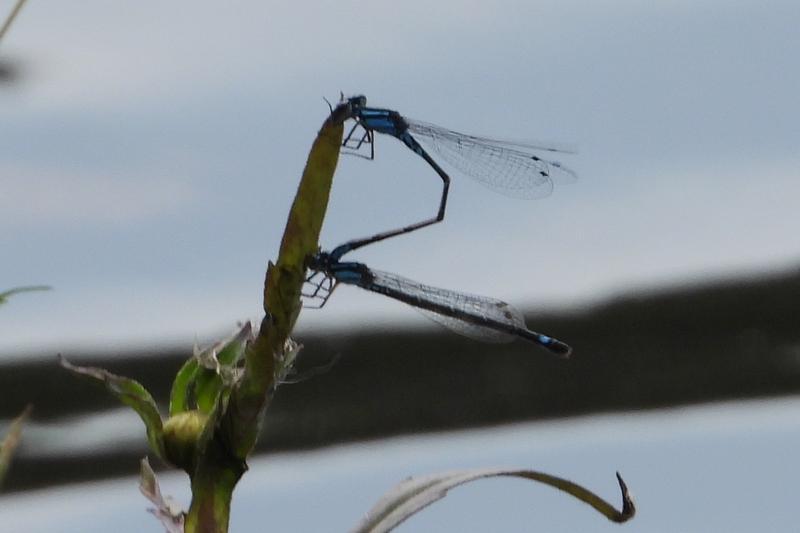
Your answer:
<point x="221" y="465"/>
<point x="212" y="489"/>
<point x="282" y="288"/>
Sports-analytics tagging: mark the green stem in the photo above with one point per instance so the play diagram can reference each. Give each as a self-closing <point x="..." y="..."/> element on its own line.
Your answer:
<point x="282" y="288"/>
<point x="218" y="469"/>
<point x="212" y="489"/>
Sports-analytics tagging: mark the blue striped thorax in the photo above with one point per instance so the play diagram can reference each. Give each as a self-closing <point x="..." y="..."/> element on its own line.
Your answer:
<point x="382" y="120"/>
<point x="351" y="273"/>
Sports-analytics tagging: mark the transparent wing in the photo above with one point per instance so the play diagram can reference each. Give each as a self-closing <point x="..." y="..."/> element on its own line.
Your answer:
<point x="466" y="329"/>
<point x="456" y="311"/>
<point x="534" y="146"/>
<point x="509" y="167"/>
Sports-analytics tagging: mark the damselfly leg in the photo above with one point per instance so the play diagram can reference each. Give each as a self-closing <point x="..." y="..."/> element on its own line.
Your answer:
<point x="357" y="137"/>
<point x="367" y="122"/>
<point x="321" y="286"/>
<point x="358" y="243"/>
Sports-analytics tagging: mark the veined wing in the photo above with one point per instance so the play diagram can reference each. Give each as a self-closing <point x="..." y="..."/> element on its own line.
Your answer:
<point x="478" y="317"/>
<point x="536" y="146"/>
<point x="509" y="167"/>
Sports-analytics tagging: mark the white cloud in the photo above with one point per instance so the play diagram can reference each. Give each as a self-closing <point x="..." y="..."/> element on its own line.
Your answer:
<point x="112" y="317"/>
<point x="94" y="54"/>
<point x="32" y="196"/>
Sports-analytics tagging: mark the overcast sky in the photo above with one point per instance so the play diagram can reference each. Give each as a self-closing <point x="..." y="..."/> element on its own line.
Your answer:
<point x="150" y="152"/>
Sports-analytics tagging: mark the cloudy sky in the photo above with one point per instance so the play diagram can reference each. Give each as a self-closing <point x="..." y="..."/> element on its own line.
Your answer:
<point x="149" y="153"/>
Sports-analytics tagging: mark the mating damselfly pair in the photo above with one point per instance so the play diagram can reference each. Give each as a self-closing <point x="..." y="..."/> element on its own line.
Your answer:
<point x="512" y="168"/>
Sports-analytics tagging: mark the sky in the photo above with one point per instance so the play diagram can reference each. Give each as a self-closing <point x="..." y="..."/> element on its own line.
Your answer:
<point x="149" y="155"/>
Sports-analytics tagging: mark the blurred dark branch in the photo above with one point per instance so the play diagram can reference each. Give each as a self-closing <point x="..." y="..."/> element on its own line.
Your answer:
<point x="10" y="19"/>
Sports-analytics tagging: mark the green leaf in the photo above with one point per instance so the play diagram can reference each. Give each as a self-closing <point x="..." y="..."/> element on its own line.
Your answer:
<point x="414" y="494"/>
<point x="232" y="352"/>
<point x="214" y="417"/>
<point x="182" y="387"/>
<point x="207" y="387"/>
<point x="218" y="368"/>
<point x="11" y="441"/>
<point x="200" y="378"/>
<point x="16" y="290"/>
<point x="214" y="433"/>
<point x="132" y="394"/>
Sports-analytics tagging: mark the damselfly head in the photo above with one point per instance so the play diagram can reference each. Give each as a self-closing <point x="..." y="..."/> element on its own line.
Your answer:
<point x="348" y="107"/>
<point x="319" y="261"/>
<point x="357" y="102"/>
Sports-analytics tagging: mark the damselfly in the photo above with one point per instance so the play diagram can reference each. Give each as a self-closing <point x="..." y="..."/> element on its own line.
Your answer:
<point x="478" y="317"/>
<point x="512" y="168"/>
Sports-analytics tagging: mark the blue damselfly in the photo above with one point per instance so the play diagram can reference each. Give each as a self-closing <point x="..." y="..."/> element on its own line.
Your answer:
<point x="478" y="317"/>
<point x="512" y="168"/>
